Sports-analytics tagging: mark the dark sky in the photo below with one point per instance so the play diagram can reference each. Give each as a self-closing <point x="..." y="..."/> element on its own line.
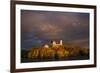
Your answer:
<point x="41" y="27"/>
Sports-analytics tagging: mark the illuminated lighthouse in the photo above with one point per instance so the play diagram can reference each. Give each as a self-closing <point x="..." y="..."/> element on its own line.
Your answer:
<point x="54" y="44"/>
<point x="57" y="44"/>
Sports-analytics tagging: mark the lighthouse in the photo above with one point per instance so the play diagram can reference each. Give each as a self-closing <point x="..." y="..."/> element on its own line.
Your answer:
<point x="57" y="44"/>
<point x="54" y="44"/>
